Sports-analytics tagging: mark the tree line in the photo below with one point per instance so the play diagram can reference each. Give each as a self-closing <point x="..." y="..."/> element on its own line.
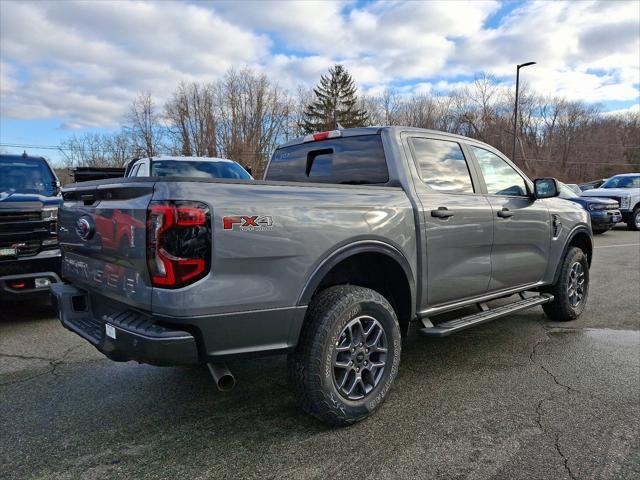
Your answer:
<point x="244" y="115"/>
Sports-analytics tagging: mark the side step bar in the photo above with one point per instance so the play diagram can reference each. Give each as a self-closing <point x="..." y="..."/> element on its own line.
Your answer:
<point x="486" y="315"/>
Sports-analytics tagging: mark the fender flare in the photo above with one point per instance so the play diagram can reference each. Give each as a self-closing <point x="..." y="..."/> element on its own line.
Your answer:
<point x="579" y="229"/>
<point x="346" y="251"/>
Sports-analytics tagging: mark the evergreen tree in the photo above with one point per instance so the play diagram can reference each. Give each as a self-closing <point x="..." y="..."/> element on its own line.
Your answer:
<point x="335" y="103"/>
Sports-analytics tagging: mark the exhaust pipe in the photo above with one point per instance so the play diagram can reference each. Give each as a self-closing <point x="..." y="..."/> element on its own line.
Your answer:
<point x="225" y="381"/>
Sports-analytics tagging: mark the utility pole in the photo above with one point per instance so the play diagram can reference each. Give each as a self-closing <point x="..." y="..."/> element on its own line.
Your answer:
<point x="515" y="110"/>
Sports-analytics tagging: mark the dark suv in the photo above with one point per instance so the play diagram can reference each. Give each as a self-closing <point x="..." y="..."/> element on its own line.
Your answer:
<point x="29" y="251"/>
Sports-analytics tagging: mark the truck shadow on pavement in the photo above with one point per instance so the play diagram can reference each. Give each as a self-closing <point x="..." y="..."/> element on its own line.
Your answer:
<point x="25" y="310"/>
<point x="93" y="417"/>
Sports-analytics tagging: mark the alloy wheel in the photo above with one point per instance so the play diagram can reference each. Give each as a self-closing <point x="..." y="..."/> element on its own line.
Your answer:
<point x="360" y="357"/>
<point x="576" y="285"/>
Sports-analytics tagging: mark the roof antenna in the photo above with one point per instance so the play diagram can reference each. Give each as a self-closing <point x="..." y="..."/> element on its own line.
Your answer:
<point x="24" y="154"/>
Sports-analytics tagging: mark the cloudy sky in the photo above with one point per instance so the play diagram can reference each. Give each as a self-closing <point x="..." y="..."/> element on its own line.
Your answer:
<point x="71" y="67"/>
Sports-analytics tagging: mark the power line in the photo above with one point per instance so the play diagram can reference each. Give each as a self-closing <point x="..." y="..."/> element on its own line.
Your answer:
<point x="39" y="147"/>
<point x="560" y="162"/>
<point x="89" y="149"/>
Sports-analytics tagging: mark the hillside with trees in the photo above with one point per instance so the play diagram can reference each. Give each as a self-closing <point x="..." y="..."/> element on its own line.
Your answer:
<point x="244" y="115"/>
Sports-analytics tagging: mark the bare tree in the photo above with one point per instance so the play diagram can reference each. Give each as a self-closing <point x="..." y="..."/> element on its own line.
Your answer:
<point x="244" y="116"/>
<point x="97" y="150"/>
<point x="118" y="148"/>
<point x="253" y="116"/>
<point x="86" y="150"/>
<point x="192" y="119"/>
<point x="144" y="126"/>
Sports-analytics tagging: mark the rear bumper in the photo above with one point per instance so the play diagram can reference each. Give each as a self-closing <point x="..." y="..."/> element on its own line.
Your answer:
<point x="25" y="270"/>
<point x="123" y="335"/>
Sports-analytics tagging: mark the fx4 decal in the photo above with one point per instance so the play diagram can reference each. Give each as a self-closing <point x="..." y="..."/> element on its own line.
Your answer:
<point x="248" y="223"/>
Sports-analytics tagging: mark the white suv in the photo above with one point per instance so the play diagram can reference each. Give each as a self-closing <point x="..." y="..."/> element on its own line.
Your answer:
<point x="624" y="188"/>
<point x="193" y="167"/>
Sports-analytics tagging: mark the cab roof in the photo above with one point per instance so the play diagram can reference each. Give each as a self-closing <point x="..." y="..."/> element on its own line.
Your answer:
<point x="374" y="130"/>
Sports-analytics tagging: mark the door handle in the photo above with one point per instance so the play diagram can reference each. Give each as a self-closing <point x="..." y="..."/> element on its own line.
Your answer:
<point x="505" y="213"/>
<point x="441" y="212"/>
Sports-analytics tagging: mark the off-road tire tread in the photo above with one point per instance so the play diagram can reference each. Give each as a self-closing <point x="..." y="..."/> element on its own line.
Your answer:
<point x="559" y="310"/>
<point x="631" y="223"/>
<point x="305" y="362"/>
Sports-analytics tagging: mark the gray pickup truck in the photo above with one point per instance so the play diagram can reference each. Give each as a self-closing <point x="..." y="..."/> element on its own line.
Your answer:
<point x="352" y="235"/>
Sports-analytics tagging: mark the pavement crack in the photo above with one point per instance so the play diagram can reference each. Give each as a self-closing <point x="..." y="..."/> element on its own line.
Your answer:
<point x="564" y="458"/>
<point x="532" y="358"/>
<point x="25" y="357"/>
<point x="539" y="407"/>
<point x="56" y="363"/>
<point x="539" y="413"/>
<point x="52" y="368"/>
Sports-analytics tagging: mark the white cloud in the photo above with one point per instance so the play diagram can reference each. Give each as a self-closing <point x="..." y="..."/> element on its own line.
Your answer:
<point x="570" y="41"/>
<point x="398" y="39"/>
<point x="86" y="61"/>
<point x="83" y="62"/>
<point x="635" y="109"/>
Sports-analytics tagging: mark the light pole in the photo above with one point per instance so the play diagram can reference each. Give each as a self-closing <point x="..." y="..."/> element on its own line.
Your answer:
<point x="515" y="112"/>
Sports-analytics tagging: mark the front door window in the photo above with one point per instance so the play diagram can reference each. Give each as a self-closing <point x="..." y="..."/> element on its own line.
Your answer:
<point x="500" y="177"/>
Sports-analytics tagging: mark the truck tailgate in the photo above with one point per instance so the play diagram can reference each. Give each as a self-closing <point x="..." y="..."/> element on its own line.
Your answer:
<point x="102" y="237"/>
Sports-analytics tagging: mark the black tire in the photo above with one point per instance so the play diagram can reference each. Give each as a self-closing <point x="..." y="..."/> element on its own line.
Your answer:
<point x="634" y="220"/>
<point x="328" y="325"/>
<point x="564" y="308"/>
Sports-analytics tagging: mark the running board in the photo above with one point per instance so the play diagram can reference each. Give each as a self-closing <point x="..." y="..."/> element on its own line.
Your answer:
<point x="446" y="328"/>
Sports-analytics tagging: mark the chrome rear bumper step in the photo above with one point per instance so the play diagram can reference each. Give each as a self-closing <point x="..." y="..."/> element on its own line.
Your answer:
<point x="451" y="326"/>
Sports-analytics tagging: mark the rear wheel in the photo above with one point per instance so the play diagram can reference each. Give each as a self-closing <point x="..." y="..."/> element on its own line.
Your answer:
<point x="347" y="356"/>
<point x="634" y="220"/>
<point x="571" y="289"/>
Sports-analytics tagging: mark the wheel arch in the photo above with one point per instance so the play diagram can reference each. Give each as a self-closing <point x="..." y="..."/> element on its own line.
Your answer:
<point x="368" y="263"/>
<point x="579" y="237"/>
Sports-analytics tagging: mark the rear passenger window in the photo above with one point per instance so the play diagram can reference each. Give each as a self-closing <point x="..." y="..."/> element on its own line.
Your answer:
<point x="134" y="170"/>
<point x="356" y="160"/>
<point x="143" y="171"/>
<point x="442" y="165"/>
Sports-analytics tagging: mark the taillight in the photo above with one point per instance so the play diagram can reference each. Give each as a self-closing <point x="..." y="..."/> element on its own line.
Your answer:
<point x="315" y="137"/>
<point x="178" y="243"/>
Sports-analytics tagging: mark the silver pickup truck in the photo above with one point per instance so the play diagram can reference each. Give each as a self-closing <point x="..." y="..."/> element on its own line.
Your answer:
<point x="352" y="235"/>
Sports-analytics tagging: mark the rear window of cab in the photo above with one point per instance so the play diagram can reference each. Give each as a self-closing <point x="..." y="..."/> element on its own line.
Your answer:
<point x="357" y="160"/>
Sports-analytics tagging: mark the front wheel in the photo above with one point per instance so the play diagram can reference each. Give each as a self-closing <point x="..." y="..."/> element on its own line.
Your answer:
<point x="347" y="356"/>
<point x="634" y="221"/>
<point x="571" y="289"/>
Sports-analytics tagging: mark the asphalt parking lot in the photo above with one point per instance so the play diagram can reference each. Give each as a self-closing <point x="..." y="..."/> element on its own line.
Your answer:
<point x="518" y="398"/>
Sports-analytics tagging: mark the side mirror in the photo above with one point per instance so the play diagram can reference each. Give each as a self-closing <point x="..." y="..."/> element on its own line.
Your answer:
<point x="546" y="188"/>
